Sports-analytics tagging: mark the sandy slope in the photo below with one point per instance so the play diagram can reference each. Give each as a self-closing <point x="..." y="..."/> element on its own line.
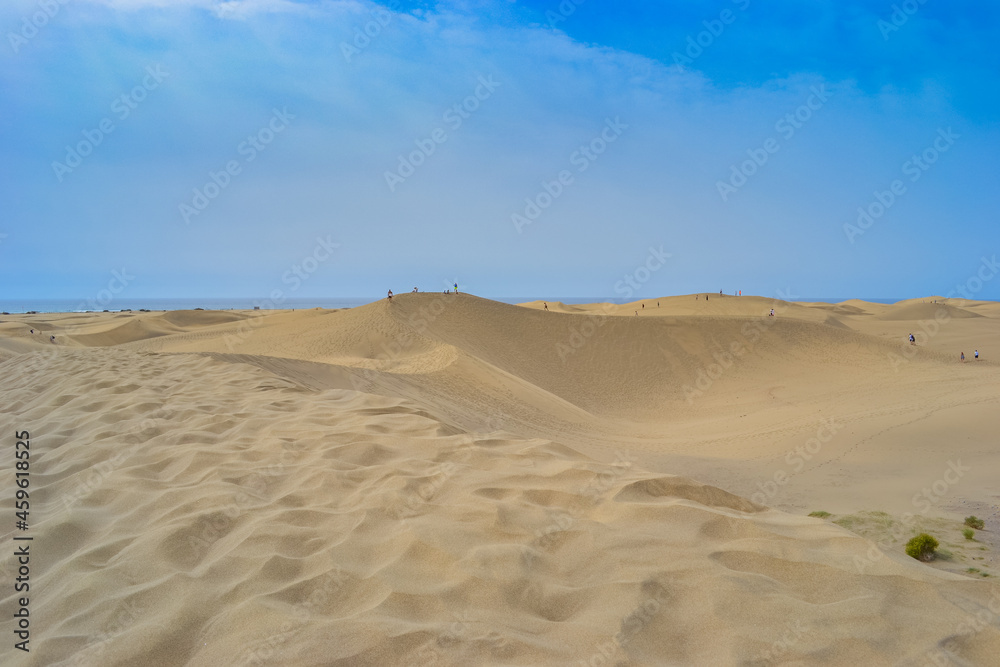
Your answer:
<point x="449" y="480"/>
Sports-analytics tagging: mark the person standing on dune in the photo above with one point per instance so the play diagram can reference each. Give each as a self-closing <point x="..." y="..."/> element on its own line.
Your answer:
<point x="456" y="288"/>
<point x="962" y="357"/>
<point x="977" y="354"/>
<point x="390" y="295"/>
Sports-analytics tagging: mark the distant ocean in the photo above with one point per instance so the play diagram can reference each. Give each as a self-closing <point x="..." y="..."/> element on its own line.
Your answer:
<point x="135" y="304"/>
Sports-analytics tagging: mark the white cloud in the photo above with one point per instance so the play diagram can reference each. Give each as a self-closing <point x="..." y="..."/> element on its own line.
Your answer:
<point x="232" y="9"/>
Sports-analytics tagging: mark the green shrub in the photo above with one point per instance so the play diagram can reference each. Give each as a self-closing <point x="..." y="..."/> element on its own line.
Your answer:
<point x="820" y="514"/>
<point x="969" y="533"/>
<point x="922" y="547"/>
<point x="973" y="522"/>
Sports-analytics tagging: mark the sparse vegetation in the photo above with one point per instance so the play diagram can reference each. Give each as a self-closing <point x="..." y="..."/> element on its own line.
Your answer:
<point x="820" y="514"/>
<point x="922" y="547"/>
<point x="973" y="522"/>
<point x="969" y="533"/>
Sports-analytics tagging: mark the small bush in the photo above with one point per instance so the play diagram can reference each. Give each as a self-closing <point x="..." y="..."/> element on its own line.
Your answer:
<point x="973" y="522"/>
<point x="820" y="514"/>
<point x="969" y="533"/>
<point x="922" y="547"/>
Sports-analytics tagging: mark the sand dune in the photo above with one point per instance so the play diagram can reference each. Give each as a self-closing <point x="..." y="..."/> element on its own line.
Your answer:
<point x="445" y="479"/>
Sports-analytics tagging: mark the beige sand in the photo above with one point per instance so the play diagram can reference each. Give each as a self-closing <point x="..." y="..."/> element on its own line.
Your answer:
<point x="447" y="480"/>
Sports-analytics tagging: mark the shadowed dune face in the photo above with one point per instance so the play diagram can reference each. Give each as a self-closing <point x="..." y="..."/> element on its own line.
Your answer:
<point x="431" y="482"/>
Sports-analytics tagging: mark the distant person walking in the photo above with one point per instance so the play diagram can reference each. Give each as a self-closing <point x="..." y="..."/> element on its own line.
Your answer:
<point x="546" y="305"/>
<point x="456" y="288"/>
<point x="390" y="295"/>
<point x="962" y="357"/>
<point x="977" y="355"/>
<point x="913" y="341"/>
<point x="772" y="313"/>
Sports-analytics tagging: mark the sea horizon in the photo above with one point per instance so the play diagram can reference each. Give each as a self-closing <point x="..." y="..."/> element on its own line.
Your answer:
<point x="50" y="305"/>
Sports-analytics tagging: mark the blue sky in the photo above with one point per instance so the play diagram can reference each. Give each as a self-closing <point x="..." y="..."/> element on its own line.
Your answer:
<point x="213" y="149"/>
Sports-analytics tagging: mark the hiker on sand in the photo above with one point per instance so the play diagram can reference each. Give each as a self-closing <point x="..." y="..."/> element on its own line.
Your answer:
<point x="456" y="288"/>
<point x="913" y="341"/>
<point x="772" y="313"/>
<point x="977" y="354"/>
<point x="546" y="305"/>
<point x="390" y="295"/>
<point x="962" y="356"/>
